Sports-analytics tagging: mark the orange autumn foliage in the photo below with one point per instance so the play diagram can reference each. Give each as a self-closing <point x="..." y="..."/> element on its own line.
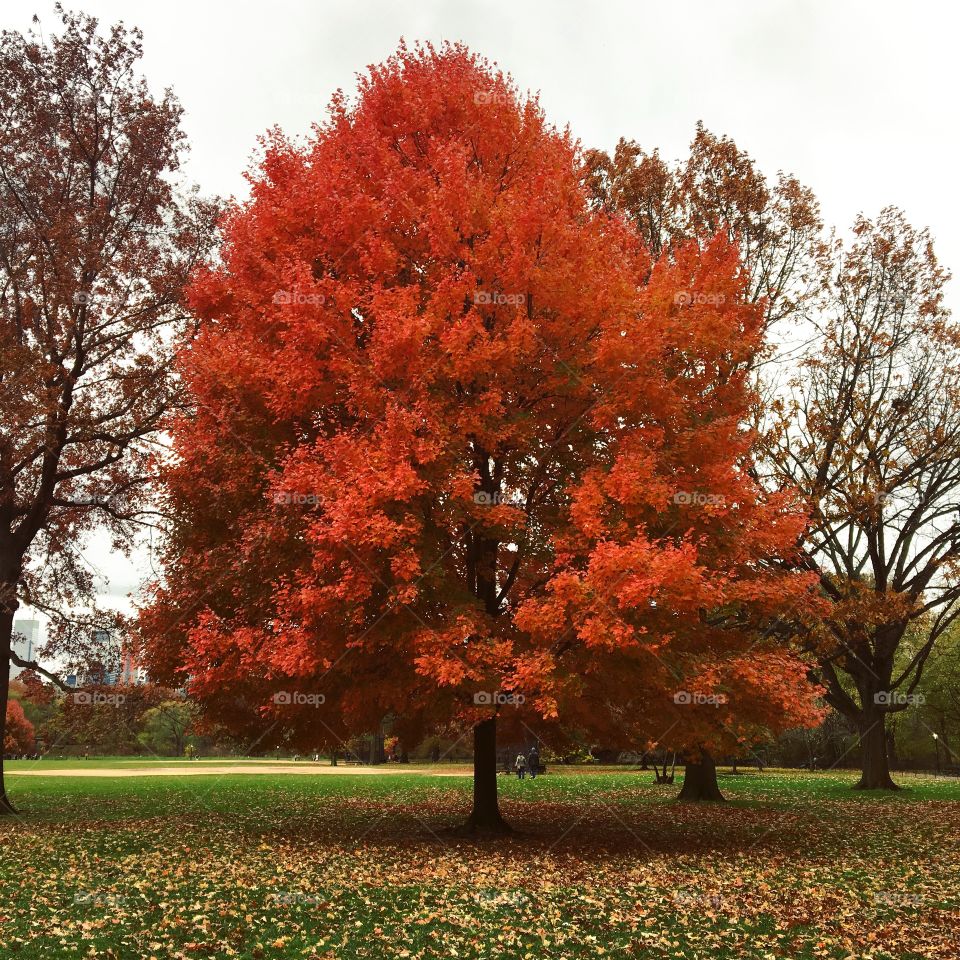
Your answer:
<point x="455" y="432"/>
<point x="19" y="734"/>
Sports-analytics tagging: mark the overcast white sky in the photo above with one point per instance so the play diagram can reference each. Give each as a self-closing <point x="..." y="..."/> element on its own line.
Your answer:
<point x="858" y="99"/>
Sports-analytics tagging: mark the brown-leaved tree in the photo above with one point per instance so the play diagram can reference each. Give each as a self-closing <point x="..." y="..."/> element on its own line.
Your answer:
<point x="96" y="243"/>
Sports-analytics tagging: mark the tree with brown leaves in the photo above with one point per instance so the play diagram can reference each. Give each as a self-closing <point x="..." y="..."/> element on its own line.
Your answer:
<point x="718" y="189"/>
<point x="869" y="430"/>
<point x="96" y="243"/>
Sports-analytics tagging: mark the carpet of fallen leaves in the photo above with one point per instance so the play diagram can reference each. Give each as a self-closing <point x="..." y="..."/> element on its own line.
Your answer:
<point x="351" y="867"/>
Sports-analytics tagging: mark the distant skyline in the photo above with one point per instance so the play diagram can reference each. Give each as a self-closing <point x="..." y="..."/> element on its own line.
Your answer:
<point x="856" y="99"/>
<point x="25" y="640"/>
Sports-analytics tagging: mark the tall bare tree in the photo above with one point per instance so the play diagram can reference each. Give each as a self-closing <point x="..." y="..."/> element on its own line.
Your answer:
<point x="96" y="243"/>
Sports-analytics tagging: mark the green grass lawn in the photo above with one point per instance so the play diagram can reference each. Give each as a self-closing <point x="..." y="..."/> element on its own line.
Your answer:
<point x="267" y="866"/>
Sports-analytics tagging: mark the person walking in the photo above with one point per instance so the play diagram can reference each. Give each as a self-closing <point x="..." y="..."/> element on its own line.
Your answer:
<point x="520" y="765"/>
<point x="533" y="762"/>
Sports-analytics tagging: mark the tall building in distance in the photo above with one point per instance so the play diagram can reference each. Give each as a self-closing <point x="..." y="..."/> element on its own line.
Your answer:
<point x="119" y="664"/>
<point x="98" y="673"/>
<point x="130" y="670"/>
<point x="26" y="639"/>
<point x="121" y="657"/>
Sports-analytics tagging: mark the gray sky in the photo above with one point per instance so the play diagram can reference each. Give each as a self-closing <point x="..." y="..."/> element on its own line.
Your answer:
<point x="857" y="99"/>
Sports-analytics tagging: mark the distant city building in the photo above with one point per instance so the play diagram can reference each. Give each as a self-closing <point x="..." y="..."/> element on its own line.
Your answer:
<point x="109" y="668"/>
<point x="26" y="639"/>
<point x="129" y="670"/>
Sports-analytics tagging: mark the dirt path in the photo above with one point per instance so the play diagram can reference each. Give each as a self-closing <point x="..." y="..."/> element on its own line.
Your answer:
<point x="306" y="769"/>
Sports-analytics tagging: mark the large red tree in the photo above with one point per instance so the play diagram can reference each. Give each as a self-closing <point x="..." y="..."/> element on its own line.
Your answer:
<point x="440" y="402"/>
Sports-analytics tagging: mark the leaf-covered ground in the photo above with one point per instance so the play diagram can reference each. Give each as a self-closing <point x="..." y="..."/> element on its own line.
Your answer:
<point x="606" y="865"/>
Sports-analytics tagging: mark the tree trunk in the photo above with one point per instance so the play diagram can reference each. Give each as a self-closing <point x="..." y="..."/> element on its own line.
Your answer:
<point x="892" y="747"/>
<point x="700" y="780"/>
<point x="485" y="816"/>
<point x="664" y="777"/>
<point x="874" y="762"/>
<point x="6" y="637"/>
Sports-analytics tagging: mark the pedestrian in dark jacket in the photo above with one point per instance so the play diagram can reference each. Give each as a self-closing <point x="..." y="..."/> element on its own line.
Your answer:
<point x="533" y="762"/>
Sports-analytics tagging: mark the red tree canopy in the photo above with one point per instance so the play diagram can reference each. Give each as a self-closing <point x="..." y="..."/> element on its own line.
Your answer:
<point x="33" y="688"/>
<point x="453" y="435"/>
<point x="19" y="734"/>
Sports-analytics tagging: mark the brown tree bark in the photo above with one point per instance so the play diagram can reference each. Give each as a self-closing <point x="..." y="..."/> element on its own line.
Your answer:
<point x="875" y="762"/>
<point x="700" y="780"/>
<point x="6" y="637"/>
<point x="485" y="816"/>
